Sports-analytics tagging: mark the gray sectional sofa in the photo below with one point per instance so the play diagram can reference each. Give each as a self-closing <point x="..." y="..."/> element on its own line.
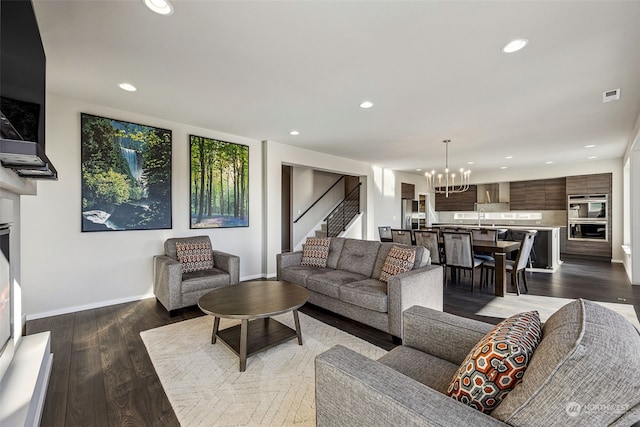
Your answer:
<point x="349" y="284"/>
<point x="584" y="372"/>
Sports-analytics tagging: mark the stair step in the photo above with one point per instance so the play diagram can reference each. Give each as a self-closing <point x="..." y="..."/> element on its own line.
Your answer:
<point x="320" y="233"/>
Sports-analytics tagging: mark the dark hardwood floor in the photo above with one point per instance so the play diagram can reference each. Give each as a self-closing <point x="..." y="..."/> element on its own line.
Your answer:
<point x="102" y="375"/>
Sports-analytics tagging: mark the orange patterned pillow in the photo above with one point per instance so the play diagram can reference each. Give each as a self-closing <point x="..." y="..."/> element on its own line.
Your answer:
<point x="399" y="260"/>
<point x="315" y="251"/>
<point x="194" y="256"/>
<point x="497" y="362"/>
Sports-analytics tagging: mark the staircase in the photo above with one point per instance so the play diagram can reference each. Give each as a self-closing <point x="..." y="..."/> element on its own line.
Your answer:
<point x="323" y="230"/>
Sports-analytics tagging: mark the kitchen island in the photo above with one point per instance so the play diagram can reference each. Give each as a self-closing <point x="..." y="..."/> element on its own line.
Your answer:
<point x="546" y="246"/>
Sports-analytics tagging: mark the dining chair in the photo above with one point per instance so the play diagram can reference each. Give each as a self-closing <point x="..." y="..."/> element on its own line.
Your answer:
<point x="458" y="253"/>
<point x="518" y="235"/>
<point x="401" y="236"/>
<point x="385" y="234"/>
<point x="519" y="264"/>
<point x="429" y="239"/>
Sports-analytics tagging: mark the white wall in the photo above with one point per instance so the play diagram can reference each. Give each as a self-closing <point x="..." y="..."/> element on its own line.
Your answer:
<point x="274" y="156"/>
<point x="388" y="195"/>
<point x="306" y="186"/>
<point x="65" y="270"/>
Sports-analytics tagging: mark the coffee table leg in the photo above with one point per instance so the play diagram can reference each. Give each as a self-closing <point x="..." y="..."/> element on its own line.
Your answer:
<point x="216" y="325"/>
<point x="298" y="330"/>
<point x="243" y="344"/>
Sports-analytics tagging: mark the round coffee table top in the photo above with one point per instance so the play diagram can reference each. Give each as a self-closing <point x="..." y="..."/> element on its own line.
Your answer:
<point x="253" y="299"/>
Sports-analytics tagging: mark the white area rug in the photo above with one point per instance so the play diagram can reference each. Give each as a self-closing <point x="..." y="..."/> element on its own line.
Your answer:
<point x="513" y="304"/>
<point x="204" y="385"/>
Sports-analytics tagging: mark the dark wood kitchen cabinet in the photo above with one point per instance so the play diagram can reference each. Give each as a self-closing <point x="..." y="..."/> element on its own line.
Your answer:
<point x="599" y="183"/>
<point x="590" y="185"/>
<point x="540" y="194"/>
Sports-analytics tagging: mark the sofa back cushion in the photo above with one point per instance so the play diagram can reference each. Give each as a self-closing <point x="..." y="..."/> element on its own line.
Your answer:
<point x="358" y="256"/>
<point x="422" y="257"/>
<point x="335" y="249"/>
<point x="585" y="371"/>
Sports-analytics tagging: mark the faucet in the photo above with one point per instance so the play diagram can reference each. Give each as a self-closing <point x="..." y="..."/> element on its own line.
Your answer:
<point x="480" y="214"/>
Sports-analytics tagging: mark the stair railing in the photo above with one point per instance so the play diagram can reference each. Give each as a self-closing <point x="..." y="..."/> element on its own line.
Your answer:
<point x="341" y="215"/>
<point x="318" y="199"/>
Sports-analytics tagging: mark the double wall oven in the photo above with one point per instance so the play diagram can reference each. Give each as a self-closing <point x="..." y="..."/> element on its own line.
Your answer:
<point x="587" y="216"/>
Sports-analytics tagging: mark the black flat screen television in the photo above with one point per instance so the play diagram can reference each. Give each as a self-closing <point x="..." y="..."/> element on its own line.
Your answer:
<point x="22" y="92"/>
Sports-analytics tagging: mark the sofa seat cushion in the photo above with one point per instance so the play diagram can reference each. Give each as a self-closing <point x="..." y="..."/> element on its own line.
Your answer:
<point x="497" y="363"/>
<point x="425" y="368"/>
<point x="359" y="256"/>
<point x="329" y="283"/>
<point x="204" y="279"/>
<point x="370" y="294"/>
<point x="298" y="273"/>
<point x="586" y="350"/>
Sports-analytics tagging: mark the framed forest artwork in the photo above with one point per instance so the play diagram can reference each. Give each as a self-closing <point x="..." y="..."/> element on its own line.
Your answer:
<point x="219" y="183"/>
<point x="126" y="175"/>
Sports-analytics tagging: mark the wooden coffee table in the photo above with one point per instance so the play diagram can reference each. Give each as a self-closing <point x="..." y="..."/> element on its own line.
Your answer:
<point x="254" y="303"/>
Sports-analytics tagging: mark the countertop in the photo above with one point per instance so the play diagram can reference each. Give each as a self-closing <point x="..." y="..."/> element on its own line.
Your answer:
<point x="499" y="226"/>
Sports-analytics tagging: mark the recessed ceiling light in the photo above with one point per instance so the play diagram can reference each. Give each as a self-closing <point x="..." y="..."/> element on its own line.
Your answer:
<point x="470" y="163"/>
<point x="548" y="163"/>
<point x="366" y="104"/>
<point x="592" y="157"/>
<point x="503" y="167"/>
<point x="515" y="45"/>
<point x="128" y="87"/>
<point x="590" y="146"/>
<point x="418" y="170"/>
<point x="161" y="7"/>
<point x="509" y="157"/>
<point x="294" y="133"/>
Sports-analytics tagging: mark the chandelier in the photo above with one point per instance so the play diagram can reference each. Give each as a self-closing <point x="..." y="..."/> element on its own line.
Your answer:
<point x="446" y="183"/>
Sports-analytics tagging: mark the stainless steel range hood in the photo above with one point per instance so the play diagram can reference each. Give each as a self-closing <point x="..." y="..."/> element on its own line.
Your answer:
<point x="26" y="158"/>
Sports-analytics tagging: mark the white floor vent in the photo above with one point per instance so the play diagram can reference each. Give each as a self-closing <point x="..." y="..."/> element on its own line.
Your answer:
<point x="611" y="95"/>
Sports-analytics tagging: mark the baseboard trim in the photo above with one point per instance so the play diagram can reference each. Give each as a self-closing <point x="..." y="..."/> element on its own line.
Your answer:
<point x="98" y="304"/>
<point x="91" y="306"/>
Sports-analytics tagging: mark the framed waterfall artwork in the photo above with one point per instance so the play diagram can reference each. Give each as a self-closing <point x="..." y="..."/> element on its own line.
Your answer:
<point x="126" y="175"/>
<point x="219" y="195"/>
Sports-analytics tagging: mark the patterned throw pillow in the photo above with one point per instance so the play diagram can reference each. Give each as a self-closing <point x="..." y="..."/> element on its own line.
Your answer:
<point x="315" y="252"/>
<point x="497" y="363"/>
<point x="398" y="261"/>
<point x="194" y="256"/>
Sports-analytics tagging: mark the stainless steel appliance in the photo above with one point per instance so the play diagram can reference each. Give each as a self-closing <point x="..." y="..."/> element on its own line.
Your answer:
<point x="587" y="217"/>
<point x="410" y="214"/>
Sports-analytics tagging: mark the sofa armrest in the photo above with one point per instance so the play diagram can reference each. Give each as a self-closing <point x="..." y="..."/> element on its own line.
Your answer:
<point x="229" y="263"/>
<point x="443" y="335"/>
<point x="353" y="390"/>
<point x="167" y="280"/>
<point x="287" y="259"/>
<point x="422" y="286"/>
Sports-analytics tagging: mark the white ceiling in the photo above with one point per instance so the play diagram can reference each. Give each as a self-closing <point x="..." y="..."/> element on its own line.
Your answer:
<point x="434" y="70"/>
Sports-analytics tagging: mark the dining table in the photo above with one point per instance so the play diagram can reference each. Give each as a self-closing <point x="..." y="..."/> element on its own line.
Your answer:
<point x="499" y="249"/>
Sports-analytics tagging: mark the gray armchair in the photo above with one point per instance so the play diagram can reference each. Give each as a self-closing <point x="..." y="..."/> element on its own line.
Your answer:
<point x="175" y="289"/>
<point x="585" y="371"/>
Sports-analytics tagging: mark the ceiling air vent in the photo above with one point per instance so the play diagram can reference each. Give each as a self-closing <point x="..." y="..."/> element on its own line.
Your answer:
<point x="611" y="95"/>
